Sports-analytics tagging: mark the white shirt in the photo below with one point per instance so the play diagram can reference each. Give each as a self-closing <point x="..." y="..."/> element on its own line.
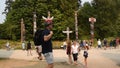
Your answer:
<point x="7" y="44"/>
<point x="75" y="49"/>
<point x="99" y="42"/>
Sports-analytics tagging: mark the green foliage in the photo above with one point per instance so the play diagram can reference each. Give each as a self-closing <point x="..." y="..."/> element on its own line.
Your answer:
<point x="106" y="13"/>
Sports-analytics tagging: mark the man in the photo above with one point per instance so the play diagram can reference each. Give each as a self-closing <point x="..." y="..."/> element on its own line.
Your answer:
<point x="23" y="45"/>
<point x="47" y="44"/>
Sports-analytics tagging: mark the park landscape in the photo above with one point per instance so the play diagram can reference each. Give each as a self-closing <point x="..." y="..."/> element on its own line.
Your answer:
<point x="73" y="20"/>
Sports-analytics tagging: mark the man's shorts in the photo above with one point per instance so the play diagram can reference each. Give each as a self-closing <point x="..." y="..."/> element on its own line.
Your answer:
<point x="49" y="57"/>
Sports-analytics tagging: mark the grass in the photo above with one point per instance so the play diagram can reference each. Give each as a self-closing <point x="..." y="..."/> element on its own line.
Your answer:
<point x="17" y="44"/>
<point x="4" y="58"/>
<point x="56" y="44"/>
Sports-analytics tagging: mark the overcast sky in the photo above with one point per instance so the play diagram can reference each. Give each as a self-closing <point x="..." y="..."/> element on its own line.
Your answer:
<point x="2" y="7"/>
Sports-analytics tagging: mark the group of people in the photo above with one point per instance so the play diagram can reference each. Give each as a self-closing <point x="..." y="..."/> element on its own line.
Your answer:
<point x="105" y="43"/>
<point x="85" y="43"/>
<point x="73" y="49"/>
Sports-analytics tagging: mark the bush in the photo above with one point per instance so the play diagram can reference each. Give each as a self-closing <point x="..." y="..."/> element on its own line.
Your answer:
<point x="57" y="44"/>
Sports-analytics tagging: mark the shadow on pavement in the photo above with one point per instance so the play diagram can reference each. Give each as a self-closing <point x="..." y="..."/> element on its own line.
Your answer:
<point x="114" y="57"/>
<point x="5" y="53"/>
<point x="43" y="64"/>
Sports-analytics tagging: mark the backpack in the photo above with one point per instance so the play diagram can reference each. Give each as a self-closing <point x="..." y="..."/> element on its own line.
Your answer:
<point x="38" y="37"/>
<point x="85" y="53"/>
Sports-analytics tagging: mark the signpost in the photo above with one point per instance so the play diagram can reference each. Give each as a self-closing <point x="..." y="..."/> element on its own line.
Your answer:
<point x="68" y="33"/>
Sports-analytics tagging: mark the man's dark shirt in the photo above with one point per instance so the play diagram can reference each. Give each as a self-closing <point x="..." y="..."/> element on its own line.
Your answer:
<point x="46" y="45"/>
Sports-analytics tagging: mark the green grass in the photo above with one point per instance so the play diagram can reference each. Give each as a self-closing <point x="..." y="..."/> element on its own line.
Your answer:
<point x="56" y="44"/>
<point x="17" y="44"/>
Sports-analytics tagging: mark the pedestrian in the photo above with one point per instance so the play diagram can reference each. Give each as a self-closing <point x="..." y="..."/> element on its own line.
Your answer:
<point x="81" y="44"/>
<point x="114" y="43"/>
<point x="85" y="54"/>
<point x="90" y="43"/>
<point x="68" y="51"/>
<point x="117" y="42"/>
<point x="23" y="45"/>
<point x="105" y="43"/>
<point x="75" y="50"/>
<point x="64" y="44"/>
<point x="29" y="48"/>
<point x="47" y="44"/>
<point x="99" y="43"/>
<point x="8" y="45"/>
<point x="111" y="44"/>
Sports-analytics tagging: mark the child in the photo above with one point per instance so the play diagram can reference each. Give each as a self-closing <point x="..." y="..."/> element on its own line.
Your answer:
<point x="69" y="51"/>
<point x="75" y="50"/>
<point x="85" y="54"/>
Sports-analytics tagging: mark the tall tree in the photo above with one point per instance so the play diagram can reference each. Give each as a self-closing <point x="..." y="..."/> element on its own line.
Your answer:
<point x="106" y="14"/>
<point x="63" y="12"/>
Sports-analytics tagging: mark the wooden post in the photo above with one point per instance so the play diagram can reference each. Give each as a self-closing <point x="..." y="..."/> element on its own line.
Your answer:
<point x="34" y="23"/>
<point x="22" y="30"/>
<point x="76" y="25"/>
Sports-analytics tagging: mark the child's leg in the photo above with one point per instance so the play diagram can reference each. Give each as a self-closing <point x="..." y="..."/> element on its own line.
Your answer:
<point x="85" y="61"/>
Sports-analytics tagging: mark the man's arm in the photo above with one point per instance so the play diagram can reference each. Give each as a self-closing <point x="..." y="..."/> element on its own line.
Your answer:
<point x="46" y="38"/>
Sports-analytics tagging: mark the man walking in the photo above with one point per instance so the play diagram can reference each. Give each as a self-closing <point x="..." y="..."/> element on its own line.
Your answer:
<point x="47" y="44"/>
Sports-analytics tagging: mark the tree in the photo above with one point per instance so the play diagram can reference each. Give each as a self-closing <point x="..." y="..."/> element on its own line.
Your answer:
<point x="63" y="12"/>
<point x="106" y="14"/>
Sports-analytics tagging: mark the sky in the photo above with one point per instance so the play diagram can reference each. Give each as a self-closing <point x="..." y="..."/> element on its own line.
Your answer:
<point x="2" y="7"/>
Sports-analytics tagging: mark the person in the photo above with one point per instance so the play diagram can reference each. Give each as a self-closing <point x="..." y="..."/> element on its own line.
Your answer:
<point x="84" y="43"/>
<point x="68" y="51"/>
<point x="64" y="44"/>
<point x="85" y="54"/>
<point x="111" y="44"/>
<point x="23" y="45"/>
<point x="47" y="44"/>
<point x="81" y="44"/>
<point x="114" y="43"/>
<point x="117" y="42"/>
<point x="99" y="43"/>
<point x="75" y="50"/>
<point x="90" y="43"/>
<point x="105" y="44"/>
<point x="29" y="48"/>
<point x="8" y="45"/>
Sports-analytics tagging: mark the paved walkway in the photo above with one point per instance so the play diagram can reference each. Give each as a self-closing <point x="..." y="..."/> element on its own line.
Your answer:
<point x="96" y="59"/>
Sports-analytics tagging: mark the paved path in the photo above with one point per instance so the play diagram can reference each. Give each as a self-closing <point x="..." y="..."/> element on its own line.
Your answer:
<point x="96" y="59"/>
